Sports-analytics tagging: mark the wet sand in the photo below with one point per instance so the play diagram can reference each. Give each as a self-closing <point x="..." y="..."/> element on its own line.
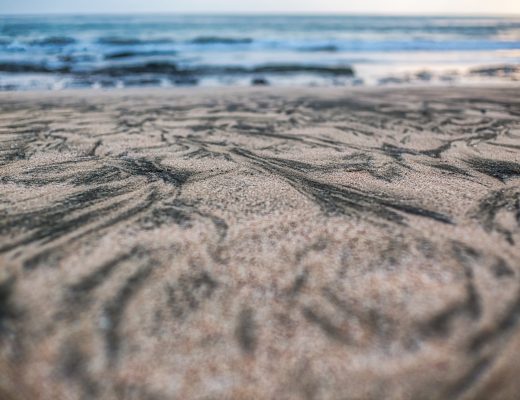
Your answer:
<point x="260" y="244"/>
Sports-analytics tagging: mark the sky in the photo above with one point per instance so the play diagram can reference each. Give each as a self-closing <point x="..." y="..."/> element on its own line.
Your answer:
<point x="262" y="6"/>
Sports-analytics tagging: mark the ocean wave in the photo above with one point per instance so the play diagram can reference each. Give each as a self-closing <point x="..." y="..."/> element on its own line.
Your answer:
<point x="170" y="68"/>
<point x="410" y="45"/>
<point x="76" y="58"/>
<point x="220" y="40"/>
<point x="128" y="41"/>
<point x="325" y="48"/>
<point x="26" y="67"/>
<point x="137" y="54"/>
<point x="159" y="68"/>
<point x="54" y="41"/>
<point x="506" y="70"/>
<point x="167" y="68"/>
<point x="302" y="68"/>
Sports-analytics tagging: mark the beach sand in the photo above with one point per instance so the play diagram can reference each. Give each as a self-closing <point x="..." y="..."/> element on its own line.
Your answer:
<point x="260" y="243"/>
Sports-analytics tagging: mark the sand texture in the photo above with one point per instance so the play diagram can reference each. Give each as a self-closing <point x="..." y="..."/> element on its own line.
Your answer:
<point x="260" y="244"/>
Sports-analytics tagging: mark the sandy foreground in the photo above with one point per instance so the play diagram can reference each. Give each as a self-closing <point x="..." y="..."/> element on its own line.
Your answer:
<point x="260" y="244"/>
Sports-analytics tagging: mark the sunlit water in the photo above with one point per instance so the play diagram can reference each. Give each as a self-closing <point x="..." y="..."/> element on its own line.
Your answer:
<point x="124" y="51"/>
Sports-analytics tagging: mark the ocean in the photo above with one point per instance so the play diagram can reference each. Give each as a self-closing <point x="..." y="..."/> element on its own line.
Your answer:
<point x="56" y="52"/>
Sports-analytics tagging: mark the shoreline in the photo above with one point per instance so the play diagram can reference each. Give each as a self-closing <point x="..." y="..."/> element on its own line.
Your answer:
<point x="229" y="89"/>
<point x="372" y="76"/>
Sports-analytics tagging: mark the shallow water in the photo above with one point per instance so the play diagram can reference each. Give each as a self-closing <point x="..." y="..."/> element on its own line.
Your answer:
<point x="53" y="52"/>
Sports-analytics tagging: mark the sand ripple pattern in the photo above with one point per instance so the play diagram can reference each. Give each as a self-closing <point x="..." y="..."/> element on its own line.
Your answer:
<point x="260" y="244"/>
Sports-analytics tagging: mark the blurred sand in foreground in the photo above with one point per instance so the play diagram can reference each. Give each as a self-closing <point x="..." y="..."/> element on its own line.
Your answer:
<point x="260" y="244"/>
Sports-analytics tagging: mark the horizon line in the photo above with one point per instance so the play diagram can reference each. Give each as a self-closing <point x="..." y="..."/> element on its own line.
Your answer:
<point x="253" y="13"/>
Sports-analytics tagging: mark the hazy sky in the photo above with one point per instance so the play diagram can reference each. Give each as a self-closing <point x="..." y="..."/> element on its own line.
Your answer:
<point x="276" y="6"/>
